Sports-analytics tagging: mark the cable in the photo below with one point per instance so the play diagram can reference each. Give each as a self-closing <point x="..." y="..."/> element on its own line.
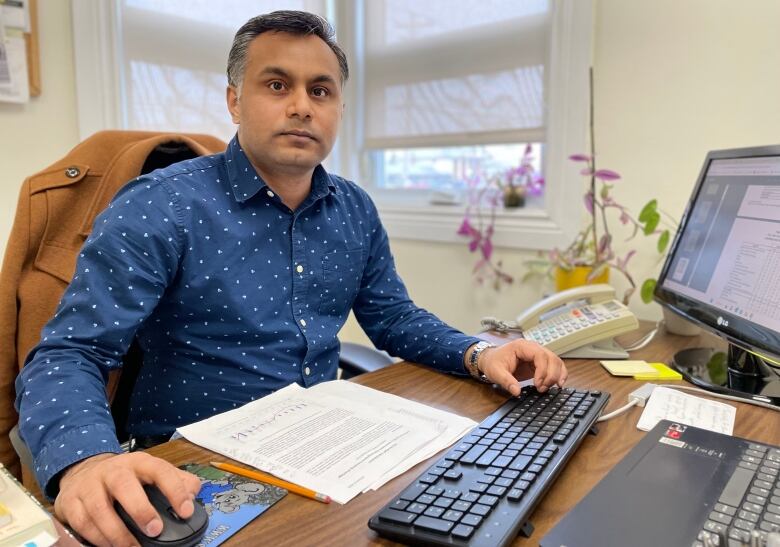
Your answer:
<point x="618" y="412"/>
<point x="724" y="396"/>
<point x="647" y="338"/>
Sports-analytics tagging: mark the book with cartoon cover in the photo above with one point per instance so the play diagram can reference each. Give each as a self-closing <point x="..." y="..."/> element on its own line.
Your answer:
<point x="231" y="501"/>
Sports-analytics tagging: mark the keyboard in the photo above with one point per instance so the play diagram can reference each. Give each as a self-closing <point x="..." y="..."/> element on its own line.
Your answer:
<point x="482" y="491"/>
<point x="749" y="503"/>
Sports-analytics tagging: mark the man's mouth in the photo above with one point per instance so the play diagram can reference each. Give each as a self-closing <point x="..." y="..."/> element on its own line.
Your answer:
<point x="299" y="133"/>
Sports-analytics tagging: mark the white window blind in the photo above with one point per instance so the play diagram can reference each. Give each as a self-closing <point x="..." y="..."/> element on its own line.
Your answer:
<point x="455" y="72"/>
<point x="173" y="58"/>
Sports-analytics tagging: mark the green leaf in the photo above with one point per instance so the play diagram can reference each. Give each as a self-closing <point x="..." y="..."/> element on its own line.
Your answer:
<point x="649" y="208"/>
<point x="652" y="223"/>
<point x="646" y="292"/>
<point x="663" y="241"/>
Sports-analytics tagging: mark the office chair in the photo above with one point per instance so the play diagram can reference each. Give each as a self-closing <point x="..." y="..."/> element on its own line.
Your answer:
<point x="55" y="212"/>
<point x="356" y="359"/>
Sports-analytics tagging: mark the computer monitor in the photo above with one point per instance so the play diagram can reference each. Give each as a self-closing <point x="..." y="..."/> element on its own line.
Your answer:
<point x="723" y="273"/>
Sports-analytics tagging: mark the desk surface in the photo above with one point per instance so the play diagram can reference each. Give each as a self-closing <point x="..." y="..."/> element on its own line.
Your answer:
<point x="298" y="521"/>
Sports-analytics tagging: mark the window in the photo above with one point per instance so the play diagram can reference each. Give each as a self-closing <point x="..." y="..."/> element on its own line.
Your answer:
<point x="441" y="90"/>
<point x="453" y="88"/>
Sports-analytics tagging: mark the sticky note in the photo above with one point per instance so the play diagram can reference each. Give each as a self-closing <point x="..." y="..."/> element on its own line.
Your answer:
<point x="628" y="368"/>
<point x="661" y="372"/>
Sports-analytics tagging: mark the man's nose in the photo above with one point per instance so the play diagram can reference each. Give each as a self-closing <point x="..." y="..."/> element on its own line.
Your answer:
<point x="300" y="105"/>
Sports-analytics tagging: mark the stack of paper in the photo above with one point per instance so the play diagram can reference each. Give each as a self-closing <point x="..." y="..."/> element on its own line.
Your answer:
<point x="337" y="438"/>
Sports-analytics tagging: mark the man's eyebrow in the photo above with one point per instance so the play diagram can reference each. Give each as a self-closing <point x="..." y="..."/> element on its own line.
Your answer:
<point x="278" y="71"/>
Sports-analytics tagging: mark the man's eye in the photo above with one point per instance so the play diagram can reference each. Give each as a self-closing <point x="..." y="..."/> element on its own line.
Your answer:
<point x="319" y="92"/>
<point x="276" y="86"/>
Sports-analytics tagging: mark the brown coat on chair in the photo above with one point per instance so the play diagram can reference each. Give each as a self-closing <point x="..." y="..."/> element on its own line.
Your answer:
<point x="53" y="219"/>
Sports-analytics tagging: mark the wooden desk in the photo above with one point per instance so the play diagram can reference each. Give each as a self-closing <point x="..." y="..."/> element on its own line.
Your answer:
<point x="298" y="521"/>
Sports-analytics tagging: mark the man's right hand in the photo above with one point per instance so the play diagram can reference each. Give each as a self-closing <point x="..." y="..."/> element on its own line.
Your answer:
<point x="88" y="490"/>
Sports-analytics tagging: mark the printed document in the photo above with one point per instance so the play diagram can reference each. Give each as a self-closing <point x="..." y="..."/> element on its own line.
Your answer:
<point x="337" y="438"/>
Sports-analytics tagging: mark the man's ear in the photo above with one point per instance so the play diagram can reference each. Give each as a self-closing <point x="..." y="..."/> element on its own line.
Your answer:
<point x="232" y="104"/>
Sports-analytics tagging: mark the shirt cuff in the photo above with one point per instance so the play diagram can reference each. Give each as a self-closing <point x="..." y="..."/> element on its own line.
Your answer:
<point x="459" y="345"/>
<point x="71" y="447"/>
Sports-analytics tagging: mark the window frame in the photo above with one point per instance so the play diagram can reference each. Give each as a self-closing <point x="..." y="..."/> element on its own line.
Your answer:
<point x="100" y="100"/>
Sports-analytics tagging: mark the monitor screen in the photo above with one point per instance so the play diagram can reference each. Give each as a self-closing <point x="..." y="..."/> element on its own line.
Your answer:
<point x="723" y="269"/>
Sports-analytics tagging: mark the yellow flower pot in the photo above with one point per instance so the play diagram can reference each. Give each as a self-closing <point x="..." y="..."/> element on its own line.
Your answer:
<point x="578" y="276"/>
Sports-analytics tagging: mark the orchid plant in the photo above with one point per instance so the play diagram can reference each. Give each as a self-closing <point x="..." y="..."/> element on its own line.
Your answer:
<point x="485" y="196"/>
<point x="593" y="246"/>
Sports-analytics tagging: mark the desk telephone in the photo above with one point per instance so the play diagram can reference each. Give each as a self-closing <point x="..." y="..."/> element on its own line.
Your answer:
<point x="577" y="323"/>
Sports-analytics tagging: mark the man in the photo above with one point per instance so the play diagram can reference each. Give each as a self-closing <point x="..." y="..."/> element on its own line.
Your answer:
<point x="234" y="272"/>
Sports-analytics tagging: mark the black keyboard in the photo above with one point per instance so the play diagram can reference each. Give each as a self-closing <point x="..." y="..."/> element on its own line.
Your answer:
<point x="750" y="501"/>
<point x="484" y="489"/>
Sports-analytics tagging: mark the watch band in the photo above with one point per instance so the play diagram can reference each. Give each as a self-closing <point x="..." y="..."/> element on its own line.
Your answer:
<point x="472" y="364"/>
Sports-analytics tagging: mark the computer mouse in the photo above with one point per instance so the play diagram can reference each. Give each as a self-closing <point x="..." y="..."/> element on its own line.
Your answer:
<point x="176" y="532"/>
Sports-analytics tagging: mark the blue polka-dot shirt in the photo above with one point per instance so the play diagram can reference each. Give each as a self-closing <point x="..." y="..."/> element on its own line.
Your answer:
<point x="230" y="295"/>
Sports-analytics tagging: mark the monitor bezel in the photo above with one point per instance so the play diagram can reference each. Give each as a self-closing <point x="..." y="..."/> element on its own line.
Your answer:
<point x="734" y="329"/>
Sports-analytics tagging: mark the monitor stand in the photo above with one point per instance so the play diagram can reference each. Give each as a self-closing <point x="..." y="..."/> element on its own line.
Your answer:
<point x="738" y="373"/>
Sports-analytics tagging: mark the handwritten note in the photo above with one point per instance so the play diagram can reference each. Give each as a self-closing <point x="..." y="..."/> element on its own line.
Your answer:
<point x="669" y="404"/>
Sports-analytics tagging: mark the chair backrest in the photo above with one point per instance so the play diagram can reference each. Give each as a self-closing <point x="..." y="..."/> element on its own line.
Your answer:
<point x="54" y="216"/>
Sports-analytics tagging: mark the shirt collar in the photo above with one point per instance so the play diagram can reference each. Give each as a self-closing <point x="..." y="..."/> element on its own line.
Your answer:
<point x="246" y="182"/>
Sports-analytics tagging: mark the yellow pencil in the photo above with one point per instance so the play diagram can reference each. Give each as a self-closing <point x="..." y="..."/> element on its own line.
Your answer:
<point x="270" y="479"/>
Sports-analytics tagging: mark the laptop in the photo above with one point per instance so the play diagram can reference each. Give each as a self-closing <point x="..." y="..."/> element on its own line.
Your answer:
<point x="678" y="485"/>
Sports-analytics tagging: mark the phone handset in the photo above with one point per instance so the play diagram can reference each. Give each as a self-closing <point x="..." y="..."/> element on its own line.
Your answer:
<point x="586" y="294"/>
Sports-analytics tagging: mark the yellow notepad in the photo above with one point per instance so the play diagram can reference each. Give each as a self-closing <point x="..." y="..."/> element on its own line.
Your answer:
<point x="628" y="368"/>
<point x="662" y="372"/>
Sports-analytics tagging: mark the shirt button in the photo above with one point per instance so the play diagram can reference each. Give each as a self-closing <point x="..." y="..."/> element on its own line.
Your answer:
<point x="299" y="269"/>
<point x="303" y="322"/>
<point x="307" y="371"/>
<point x="270" y="194"/>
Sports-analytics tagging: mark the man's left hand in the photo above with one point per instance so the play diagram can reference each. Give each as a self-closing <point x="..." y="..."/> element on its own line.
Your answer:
<point x="505" y="364"/>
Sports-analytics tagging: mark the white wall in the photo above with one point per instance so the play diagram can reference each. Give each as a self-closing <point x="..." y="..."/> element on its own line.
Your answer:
<point x="673" y="81"/>
<point x="35" y="134"/>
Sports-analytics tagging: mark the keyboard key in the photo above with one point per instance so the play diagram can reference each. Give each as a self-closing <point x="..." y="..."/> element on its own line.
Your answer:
<point x="461" y="505"/>
<point x="479" y="509"/>
<point x="434" y="512"/>
<point x="412" y="492"/>
<point x="400" y="505"/>
<point x="462" y="531"/>
<point x="488" y="500"/>
<point x="433" y="524"/>
<point x="520" y="463"/>
<point x="473" y="455"/>
<point x="434" y="490"/>
<point x="471" y="520"/>
<point x="480" y="487"/>
<point x="400" y="517"/>
<point x="515" y="494"/>
<point x="444" y="503"/>
<point x="452" y="474"/>
<point x="497" y="490"/>
<point x="736" y="487"/>
<point x="453" y="516"/>
<point x="417" y="508"/>
<point x="487" y="458"/>
<point x="451" y="493"/>
<point x="469" y="496"/>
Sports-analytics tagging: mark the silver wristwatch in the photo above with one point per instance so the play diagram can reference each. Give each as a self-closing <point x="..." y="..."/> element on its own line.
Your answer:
<point x="471" y="365"/>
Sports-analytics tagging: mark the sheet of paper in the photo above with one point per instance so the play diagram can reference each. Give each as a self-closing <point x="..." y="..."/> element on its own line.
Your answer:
<point x="338" y="438"/>
<point x="627" y="368"/>
<point x="670" y="404"/>
<point x="14" y="86"/>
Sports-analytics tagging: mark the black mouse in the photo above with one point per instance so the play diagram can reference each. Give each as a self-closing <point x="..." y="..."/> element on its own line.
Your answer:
<point x="176" y="532"/>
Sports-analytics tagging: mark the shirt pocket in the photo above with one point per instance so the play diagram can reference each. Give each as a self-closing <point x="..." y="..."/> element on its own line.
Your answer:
<point x="342" y="271"/>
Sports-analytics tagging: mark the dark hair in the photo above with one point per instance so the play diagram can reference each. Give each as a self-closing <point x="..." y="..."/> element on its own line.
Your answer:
<point x="293" y="22"/>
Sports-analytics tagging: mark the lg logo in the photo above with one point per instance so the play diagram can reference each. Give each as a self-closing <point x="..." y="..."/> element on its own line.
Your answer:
<point x="722" y="322"/>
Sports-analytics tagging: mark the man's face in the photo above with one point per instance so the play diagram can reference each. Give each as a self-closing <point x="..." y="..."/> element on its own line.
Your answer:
<point x="290" y="104"/>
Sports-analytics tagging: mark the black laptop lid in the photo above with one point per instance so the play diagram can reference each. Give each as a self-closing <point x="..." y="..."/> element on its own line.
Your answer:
<point x="659" y="494"/>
